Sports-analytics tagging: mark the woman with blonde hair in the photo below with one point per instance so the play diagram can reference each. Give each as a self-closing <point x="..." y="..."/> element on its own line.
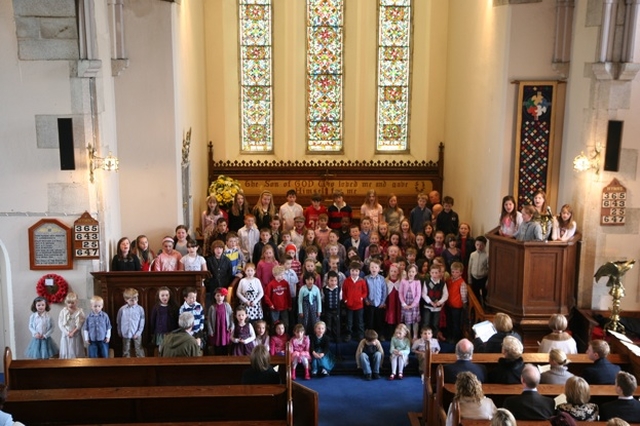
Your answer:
<point x="578" y="406"/>
<point x="503" y="417"/>
<point x="509" y="368"/>
<point x="472" y="403"/>
<point x="264" y="210"/>
<point x="558" y="374"/>
<point x="504" y="327"/>
<point x="558" y="338"/>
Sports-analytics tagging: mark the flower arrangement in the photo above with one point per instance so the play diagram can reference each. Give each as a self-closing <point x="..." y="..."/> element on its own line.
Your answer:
<point x="225" y="189"/>
<point x="53" y="293"/>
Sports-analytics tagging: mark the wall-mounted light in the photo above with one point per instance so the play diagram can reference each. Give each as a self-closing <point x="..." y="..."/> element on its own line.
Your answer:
<point x="108" y="163"/>
<point x="584" y="162"/>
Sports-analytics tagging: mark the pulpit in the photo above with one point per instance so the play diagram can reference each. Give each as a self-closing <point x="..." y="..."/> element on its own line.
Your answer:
<point x="111" y="285"/>
<point x="532" y="280"/>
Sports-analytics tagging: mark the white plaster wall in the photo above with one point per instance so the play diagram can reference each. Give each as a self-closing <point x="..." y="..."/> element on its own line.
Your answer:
<point x="479" y="111"/>
<point x="149" y="140"/>
<point x="584" y="127"/>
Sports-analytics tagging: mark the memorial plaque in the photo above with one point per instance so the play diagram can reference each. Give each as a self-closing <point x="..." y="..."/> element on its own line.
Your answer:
<point x="50" y="245"/>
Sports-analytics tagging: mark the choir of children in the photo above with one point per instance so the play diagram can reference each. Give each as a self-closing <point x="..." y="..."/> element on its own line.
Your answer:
<point x="313" y="276"/>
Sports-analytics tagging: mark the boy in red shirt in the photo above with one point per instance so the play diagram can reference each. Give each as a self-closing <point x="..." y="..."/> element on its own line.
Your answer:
<point x="354" y="291"/>
<point x="313" y="212"/>
<point x="457" y="289"/>
<point x="278" y="297"/>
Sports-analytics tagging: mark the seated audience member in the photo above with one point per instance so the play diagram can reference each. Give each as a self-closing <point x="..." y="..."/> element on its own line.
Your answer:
<point x="530" y="405"/>
<point x="503" y="417"/>
<point x="5" y="418"/>
<point x="558" y="374"/>
<point x="558" y="338"/>
<point x="626" y="406"/>
<point x="261" y="371"/>
<point x="504" y="327"/>
<point x="180" y="342"/>
<point x="471" y="400"/>
<point x="578" y="406"/>
<point x="602" y="372"/>
<point x="509" y="368"/>
<point x="464" y="356"/>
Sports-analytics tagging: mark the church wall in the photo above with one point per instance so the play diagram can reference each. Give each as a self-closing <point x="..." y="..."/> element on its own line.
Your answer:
<point x="149" y="138"/>
<point x="360" y="59"/>
<point x="590" y="105"/>
<point x="37" y="90"/>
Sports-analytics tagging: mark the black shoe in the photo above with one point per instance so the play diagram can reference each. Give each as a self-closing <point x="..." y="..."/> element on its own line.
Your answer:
<point x="376" y="376"/>
<point x="367" y="377"/>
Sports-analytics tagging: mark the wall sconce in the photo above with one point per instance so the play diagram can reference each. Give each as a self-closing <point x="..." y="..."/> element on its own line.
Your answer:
<point x="108" y="163"/>
<point x="583" y="162"/>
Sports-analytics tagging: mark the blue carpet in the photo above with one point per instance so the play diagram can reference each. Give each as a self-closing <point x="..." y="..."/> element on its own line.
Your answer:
<point x="350" y="400"/>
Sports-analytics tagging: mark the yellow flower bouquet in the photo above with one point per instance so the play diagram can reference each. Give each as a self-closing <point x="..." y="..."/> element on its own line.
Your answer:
<point x="225" y="189"/>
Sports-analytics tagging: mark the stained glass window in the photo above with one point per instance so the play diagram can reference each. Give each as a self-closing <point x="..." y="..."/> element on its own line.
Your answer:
<point x="255" y="76"/>
<point x="324" y="75"/>
<point x="393" y="75"/>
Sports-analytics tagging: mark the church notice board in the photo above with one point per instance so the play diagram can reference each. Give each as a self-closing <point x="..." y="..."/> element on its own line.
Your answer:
<point x="614" y="203"/>
<point x="50" y="245"/>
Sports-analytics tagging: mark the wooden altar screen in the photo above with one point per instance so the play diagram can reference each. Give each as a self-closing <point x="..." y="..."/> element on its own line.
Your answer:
<point x="405" y="179"/>
<point x="532" y="280"/>
<point x="111" y="285"/>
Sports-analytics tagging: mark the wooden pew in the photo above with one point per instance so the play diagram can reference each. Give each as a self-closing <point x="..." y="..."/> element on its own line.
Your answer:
<point x="124" y="372"/>
<point x="498" y="392"/>
<point x="149" y="404"/>
<point x="577" y="365"/>
<point x="457" y="420"/>
<point x="147" y="382"/>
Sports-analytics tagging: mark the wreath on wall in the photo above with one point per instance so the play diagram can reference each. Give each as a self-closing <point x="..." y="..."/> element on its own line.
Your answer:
<point x="53" y="293"/>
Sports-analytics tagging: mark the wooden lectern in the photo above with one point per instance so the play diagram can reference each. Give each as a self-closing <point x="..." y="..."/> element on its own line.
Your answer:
<point x="111" y="285"/>
<point x="532" y="280"/>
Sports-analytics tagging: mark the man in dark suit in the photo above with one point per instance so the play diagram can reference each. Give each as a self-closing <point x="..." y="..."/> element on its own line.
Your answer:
<point x="602" y="372"/>
<point x="464" y="354"/>
<point x="626" y="406"/>
<point x="530" y="405"/>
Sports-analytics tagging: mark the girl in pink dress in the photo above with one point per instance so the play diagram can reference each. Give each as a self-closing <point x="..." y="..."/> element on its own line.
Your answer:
<point x="220" y="323"/>
<point x="264" y="270"/>
<point x="169" y="259"/>
<point x="409" y="294"/>
<point x="300" y="351"/>
<point x="392" y="315"/>
<point x="510" y="218"/>
<point x="372" y="209"/>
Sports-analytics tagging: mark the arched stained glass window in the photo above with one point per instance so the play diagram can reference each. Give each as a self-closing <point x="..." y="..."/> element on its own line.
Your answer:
<point x="256" y="76"/>
<point x="324" y="75"/>
<point x="394" y="54"/>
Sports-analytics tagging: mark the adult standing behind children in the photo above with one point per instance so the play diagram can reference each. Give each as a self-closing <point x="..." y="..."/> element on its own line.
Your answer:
<point x="180" y="342"/>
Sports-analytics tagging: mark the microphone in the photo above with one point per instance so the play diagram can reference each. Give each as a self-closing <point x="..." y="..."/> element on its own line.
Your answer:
<point x="549" y="212"/>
